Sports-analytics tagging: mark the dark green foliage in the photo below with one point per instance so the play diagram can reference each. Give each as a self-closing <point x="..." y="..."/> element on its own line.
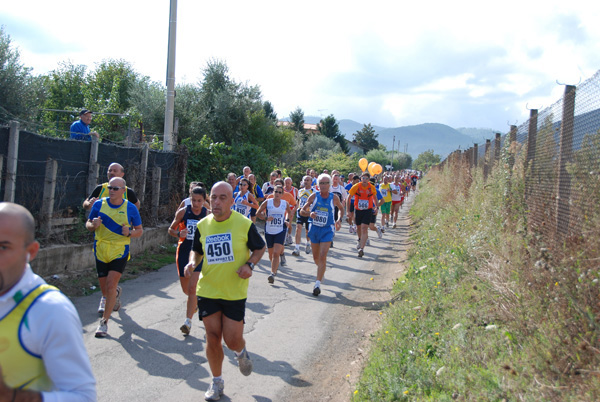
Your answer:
<point x="426" y="160"/>
<point x="330" y="128"/>
<point x="19" y="90"/>
<point x="366" y="137"/>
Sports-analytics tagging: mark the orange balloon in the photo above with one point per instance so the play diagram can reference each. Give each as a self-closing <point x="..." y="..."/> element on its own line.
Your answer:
<point x="370" y="168"/>
<point x="377" y="169"/>
<point x="362" y="164"/>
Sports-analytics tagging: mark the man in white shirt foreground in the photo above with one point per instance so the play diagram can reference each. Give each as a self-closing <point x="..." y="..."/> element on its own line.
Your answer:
<point x="42" y="355"/>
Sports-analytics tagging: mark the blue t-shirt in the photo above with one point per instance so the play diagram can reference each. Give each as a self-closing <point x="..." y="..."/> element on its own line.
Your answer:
<point x="80" y="131"/>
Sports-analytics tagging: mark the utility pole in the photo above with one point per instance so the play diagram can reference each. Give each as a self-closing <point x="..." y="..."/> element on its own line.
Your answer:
<point x="168" y="140"/>
<point x="393" y="145"/>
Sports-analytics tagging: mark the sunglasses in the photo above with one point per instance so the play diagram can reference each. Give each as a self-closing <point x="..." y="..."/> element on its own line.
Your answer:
<point x="114" y="188"/>
<point x="278" y="192"/>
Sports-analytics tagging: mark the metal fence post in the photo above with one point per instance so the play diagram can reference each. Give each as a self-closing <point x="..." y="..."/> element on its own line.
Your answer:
<point x="48" y="197"/>
<point x="156" y="178"/>
<point x="486" y="159"/>
<point x="497" y="143"/>
<point x="11" y="162"/>
<point x="143" y="173"/>
<point x="531" y="144"/>
<point x="93" y="166"/>
<point x="563" y="183"/>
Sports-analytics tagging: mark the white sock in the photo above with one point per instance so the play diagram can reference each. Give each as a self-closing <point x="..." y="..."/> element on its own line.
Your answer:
<point x="317" y="284"/>
<point x="297" y="247"/>
<point x="219" y="378"/>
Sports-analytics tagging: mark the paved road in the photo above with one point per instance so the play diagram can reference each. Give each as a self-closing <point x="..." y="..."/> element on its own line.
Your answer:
<point x="146" y="358"/>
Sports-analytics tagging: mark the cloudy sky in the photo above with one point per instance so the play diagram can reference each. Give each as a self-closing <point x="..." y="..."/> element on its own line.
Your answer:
<point x="390" y="63"/>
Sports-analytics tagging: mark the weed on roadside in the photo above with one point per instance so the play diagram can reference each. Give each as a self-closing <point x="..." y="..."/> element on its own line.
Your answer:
<point x="476" y="318"/>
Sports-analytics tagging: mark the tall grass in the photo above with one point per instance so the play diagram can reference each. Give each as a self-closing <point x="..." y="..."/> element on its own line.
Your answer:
<point x="482" y="314"/>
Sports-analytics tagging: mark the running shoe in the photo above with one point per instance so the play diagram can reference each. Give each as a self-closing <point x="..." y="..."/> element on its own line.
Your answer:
<point x="118" y="300"/>
<point x="102" y="306"/>
<point x="296" y="253"/>
<point x="271" y="278"/>
<point x="358" y="244"/>
<point x="282" y="260"/>
<point x="102" y="329"/>
<point x="368" y="242"/>
<point x="387" y="224"/>
<point x="288" y="240"/>
<point x="215" y="390"/>
<point x="316" y="290"/>
<point x="382" y="229"/>
<point x="379" y="233"/>
<point x="244" y="363"/>
<point x="361" y="253"/>
<point x="394" y="226"/>
<point x="307" y="248"/>
<point x="186" y="327"/>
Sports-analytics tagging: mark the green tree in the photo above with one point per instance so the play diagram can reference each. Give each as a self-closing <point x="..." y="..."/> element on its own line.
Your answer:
<point x="263" y="132"/>
<point x="225" y="106"/>
<point x="187" y="111"/>
<point x="297" y="120"/>
<point x="319" y="147"/>
<point x="401" y="160"/>
<point x="109" y="90"/>
<point x="19" y="90"/>
<point x="65" y="86"/>
<point x="148" y="105"/>
<point x="329" y="128"/>
<point x="270" y="111"/>
<point x="366" y="137"/>
<point x="426" y="160"/>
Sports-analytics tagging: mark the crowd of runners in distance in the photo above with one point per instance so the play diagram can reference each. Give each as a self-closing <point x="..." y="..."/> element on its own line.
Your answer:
<point x="318" y="204"/>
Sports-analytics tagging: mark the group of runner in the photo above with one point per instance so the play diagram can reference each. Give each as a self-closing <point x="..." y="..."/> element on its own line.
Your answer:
<point x="219" y="242"/>
<point x="318" y="205"/>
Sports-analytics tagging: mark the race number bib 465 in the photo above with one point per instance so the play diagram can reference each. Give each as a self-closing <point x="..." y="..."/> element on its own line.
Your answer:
<point x="219" y="249"/>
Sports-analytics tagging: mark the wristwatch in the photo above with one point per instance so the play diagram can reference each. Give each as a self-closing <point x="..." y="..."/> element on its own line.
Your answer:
<point x="251" y="265"/>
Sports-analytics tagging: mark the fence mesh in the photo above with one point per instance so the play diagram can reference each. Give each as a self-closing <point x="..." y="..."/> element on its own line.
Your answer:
<point x="560" y="149"/>
<point x="73" y="168"/>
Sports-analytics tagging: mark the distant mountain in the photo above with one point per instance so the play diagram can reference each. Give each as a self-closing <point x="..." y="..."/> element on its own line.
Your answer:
<point x="417" y="139"/>
<point x="442" y="139"/>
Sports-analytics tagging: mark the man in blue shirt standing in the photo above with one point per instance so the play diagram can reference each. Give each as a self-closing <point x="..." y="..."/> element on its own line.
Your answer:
<point x="80" y="130"/>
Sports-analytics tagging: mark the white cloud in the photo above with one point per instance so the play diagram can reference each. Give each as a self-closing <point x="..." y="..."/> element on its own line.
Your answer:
<point x="462" y="63"/>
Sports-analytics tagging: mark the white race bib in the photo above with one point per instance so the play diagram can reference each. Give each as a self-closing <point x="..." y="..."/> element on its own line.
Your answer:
<point x="191" y="228"/>
<point x="363" y="204"/>
<point x="276" y="225"/>
<point x="321" y="218"/>
<point x="219" y="249"/>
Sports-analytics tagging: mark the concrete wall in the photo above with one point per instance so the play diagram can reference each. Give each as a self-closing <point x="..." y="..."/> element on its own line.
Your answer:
<point x="76" y="257"/>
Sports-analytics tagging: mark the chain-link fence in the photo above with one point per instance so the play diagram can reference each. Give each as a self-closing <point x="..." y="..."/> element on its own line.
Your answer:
<point x="560" y="151"/>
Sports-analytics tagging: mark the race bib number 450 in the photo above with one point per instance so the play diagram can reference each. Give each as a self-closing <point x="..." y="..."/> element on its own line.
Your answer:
<point x="219" y="249"/>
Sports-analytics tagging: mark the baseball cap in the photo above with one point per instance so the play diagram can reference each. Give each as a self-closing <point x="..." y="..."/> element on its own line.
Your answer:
<point x="84" y="111"/>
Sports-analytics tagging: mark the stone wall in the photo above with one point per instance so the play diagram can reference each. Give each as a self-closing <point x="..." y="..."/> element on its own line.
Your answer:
<point x="77" y="257"/>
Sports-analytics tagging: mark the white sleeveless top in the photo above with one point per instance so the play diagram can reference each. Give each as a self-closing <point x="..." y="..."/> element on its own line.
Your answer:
<point x="275" y="226"/>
